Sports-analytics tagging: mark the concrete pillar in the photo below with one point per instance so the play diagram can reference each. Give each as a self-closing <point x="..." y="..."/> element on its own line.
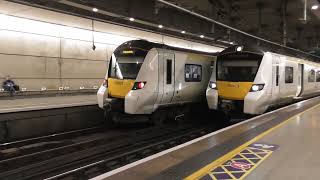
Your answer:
<point x="284" y="22"/>
<point x="260" y="6"/>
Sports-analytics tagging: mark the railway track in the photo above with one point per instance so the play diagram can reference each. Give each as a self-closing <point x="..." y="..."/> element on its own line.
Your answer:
<point x="51" y="137"/>
<point x="98" y="153"/>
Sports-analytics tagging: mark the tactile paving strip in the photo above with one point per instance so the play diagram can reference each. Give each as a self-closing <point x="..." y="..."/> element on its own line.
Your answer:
<point x="241" y="164"/>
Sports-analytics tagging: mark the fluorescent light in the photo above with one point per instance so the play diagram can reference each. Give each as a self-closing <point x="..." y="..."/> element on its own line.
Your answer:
<point x="183" y="32"/>
<point x="131" y="19"/>
<point x="239" y="48"/>
<point x="202" y="36"/>
<point x="160" y="26"/>
<point x="314" y="7"/>
<point x="95" y="10"/>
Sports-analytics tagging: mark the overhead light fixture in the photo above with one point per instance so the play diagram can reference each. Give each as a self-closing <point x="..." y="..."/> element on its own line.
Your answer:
<point x="131" y="19"/>
<point x="239" y="48"/>
<point x="95" y="9"/>
<point x="160" y="26"/>
<point x="231" y="43"/>
<point x="202" y="36"/>
<point x="315" y="7"/>
<point x="183" y="32"/>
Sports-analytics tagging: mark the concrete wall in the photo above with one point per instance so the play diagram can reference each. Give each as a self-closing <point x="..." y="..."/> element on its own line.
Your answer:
<point x="41" y="48"/>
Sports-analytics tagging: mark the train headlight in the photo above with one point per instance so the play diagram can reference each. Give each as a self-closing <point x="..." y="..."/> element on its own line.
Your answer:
<point x="256" y="87"/>
<point x="138" y="85"/>
<point x="212" y="85"/>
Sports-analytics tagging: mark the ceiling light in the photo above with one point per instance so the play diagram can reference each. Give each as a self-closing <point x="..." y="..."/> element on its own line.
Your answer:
<point x="314" y="7"/>
<point x="202" y="36"/>
<point x="131" y="19"/>
<point x="95" y="10"/>
<point x="239" y="48"/>
<point x="183" y="32"/>
<point x="231" y="42"/>
<point x="160" y="26"/>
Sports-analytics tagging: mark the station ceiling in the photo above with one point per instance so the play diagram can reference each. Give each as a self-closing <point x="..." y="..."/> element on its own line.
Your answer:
<point x="281" y="21"/>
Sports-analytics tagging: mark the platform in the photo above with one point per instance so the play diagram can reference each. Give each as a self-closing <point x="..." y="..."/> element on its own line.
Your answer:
<point x="41" y="103"/>
<point x="282" y="144"/>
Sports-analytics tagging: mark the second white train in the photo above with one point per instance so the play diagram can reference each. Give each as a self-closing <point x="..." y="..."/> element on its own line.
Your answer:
<point x="248" y="80"/>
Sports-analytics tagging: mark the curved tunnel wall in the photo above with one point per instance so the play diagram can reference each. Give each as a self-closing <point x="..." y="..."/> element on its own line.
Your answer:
<point x="41" y="49"/>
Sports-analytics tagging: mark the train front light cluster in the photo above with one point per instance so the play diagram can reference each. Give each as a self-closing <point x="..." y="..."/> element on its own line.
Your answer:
<point x="213" y="85"/>
<point x="138" y="85"/>
<point x="256" y="87"/>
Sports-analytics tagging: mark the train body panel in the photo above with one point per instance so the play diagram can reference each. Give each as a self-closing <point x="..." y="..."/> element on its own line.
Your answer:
<point x="142" y="101"/>
<point x="259" y="101"/>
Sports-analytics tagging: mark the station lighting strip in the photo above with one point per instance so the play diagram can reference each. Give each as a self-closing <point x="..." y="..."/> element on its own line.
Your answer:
<point x="183" y="31"/>
<point x="160" y="26"/>
<point x="232" y="28"/>
<point x="132" y="19"/>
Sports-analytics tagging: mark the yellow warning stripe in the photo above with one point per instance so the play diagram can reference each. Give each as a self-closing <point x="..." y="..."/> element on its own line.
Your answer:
<point x="205" y="170"/>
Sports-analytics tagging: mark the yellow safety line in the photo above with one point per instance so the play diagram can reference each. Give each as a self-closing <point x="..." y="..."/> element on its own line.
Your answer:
<point x="224" y="158"/>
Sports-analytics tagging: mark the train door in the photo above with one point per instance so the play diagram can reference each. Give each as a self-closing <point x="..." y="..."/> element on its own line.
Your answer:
<point x="276" y="77"/>
<point x="168" y="77"/>
<point x="300" y="80"/>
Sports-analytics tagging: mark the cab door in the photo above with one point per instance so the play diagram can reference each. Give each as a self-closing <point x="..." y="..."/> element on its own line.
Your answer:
<point x="276" y="77"/>
<point x="168" y="61"/>
<point x="300" y="80"/>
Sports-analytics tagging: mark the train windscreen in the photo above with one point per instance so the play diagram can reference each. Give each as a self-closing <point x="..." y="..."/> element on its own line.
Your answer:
<point x="127" y="59"/>
<point x="238" y="67"/>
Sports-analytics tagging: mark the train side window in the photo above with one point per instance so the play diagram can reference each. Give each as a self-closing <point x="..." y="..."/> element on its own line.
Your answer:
<point x="277" y="75"/>
<point x="289" y="74"/>
<point x="318" y="76"/>
<point x="193" y="73"/>
<point x="169" y="71"/>
<point x="311" y="76"/>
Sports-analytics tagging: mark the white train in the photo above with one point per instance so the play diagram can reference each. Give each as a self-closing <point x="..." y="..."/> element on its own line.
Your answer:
<point x="150" y="81"/>
<point x="246" y="80"/>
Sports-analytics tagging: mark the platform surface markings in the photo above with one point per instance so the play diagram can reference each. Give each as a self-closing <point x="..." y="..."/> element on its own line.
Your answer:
<point x="241" y="164"/>
<point x="201" y="173"/>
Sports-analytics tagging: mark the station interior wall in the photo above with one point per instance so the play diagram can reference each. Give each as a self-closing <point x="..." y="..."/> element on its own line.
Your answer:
<point x="47" y="50"/>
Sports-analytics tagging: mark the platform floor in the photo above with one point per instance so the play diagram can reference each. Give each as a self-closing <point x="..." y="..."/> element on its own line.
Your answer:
<point x="298" y="147"/>
<point x="279" y="145"/>
<point x="40" y="103"/>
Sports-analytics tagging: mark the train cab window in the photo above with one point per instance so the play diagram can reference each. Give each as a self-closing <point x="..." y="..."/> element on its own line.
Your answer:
<point x="127" y="59"/>
<point x="318" y="76"/>
<point x="169" y="71"/>
<point x="238" y="67"/>
<point x="311" y="76"/>
<point x="193" y="73"/>
<point x="288" y="74"/>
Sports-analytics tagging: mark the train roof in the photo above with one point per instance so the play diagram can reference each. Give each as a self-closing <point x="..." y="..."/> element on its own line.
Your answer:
<point x="261" y="50"/>
<point x="144" y="44"/>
